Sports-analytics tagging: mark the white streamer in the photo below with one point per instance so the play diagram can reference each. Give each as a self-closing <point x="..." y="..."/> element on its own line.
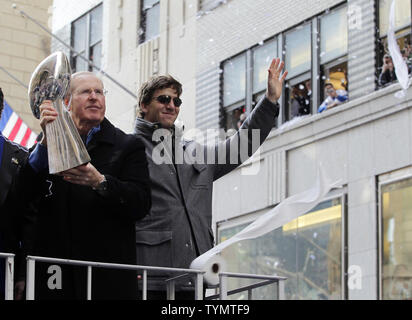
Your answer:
<point x="288" y="210"/>
<point x="401" y="69"/>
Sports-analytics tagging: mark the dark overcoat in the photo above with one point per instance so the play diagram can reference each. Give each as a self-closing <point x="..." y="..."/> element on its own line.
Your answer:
<point x="11" y="209"/>
<point x="77" y="222"/>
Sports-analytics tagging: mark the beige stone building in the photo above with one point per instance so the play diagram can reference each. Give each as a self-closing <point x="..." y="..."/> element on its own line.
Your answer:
<point x="356" y="244"/>
<point x="23" y="44"/>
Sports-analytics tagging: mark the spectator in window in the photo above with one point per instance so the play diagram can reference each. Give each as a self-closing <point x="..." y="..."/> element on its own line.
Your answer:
<point x="88" y="212"/>
<point x="334" y="97"/>
<point x="388" y="74"/>
<point x="300" y="103"/>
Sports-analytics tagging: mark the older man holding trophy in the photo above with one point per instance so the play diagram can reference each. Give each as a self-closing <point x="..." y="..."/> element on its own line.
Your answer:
<point x="89" y="184"/>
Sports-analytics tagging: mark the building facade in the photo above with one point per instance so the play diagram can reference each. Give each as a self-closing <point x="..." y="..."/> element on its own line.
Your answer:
<point x="356" y="244"/>
<point x="129" y="41"/>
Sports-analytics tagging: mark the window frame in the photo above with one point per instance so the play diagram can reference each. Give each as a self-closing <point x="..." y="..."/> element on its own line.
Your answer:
<point x="89" y="44"/>
<point x="209" y="5"/>
<point x="341" y="194"/>
<point x="143" y="19"/>
<point x="384" y="180"/>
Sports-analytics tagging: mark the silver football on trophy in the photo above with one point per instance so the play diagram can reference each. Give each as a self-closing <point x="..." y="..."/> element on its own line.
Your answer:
<point x="51" y="81"/>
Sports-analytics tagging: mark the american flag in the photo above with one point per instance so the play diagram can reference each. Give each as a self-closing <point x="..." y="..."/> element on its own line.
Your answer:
<point x="13" y="128"/>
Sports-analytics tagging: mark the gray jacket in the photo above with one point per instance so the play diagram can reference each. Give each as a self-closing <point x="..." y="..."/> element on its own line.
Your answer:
<point x="178" y="228"/>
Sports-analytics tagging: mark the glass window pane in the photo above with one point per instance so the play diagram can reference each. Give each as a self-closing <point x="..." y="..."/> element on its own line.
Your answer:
<point x="147" y="4"/>
<point x="396" y="209"/>
<point x="334" y="35"/>
<point x="152" y="22"/>
<point x="79" y="34"/>
<point x="298" y="50"/>
<point x="402" y="14"/>
<point x="234" y="80"/>
<point x="96" y="25"/>
<point x="307" y="251"/>
<point x="262" y="56"/>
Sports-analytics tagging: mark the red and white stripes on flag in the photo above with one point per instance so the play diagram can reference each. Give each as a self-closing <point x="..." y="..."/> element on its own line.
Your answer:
<point x="13" y="128"/>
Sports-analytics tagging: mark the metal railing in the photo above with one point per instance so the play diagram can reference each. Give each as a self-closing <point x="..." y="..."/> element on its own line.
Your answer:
<point x="9" y="275"/>
<point x="170" y="283"/>
<point x="31" y="260"/>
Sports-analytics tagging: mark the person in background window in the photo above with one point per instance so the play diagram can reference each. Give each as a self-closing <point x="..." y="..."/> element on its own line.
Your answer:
<point x="300" y="103"/>
<point x="334" y="97"/>
<point x="388" y="74"/>
<point x="409" y="53"/>
<point x="401" y="286"/>
<point x="405" y="55"/>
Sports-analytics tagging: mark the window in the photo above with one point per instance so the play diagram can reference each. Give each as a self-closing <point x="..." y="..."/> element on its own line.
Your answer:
<point x="385" y="71"/>
<point x="87" y="40"/>
<point x="150" y="20"/>
<point x="396" y="244"/>
<point x="333" y="56"/>
<point x="298" y="48"/>
<point x="308" y="251"/>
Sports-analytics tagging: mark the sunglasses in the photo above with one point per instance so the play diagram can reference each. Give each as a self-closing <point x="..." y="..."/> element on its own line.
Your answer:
<point x="163" y="99"/>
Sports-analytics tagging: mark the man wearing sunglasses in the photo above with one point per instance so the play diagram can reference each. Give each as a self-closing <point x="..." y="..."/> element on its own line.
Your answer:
<point x="178" y="228"/>
<point x="88" y="212"/>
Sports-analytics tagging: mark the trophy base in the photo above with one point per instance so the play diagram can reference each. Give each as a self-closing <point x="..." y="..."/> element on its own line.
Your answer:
<point x="65" y="147"/>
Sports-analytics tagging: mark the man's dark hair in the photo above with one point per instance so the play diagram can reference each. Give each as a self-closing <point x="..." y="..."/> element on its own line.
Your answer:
<point x="1" y="102"/>
<point x="156" y="83"/>
<point x="327" y="84"/>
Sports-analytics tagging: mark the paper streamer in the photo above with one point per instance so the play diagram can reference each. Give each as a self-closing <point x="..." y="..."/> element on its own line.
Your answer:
<point x="286" y="211"/>
<point x="401" y="69"/>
